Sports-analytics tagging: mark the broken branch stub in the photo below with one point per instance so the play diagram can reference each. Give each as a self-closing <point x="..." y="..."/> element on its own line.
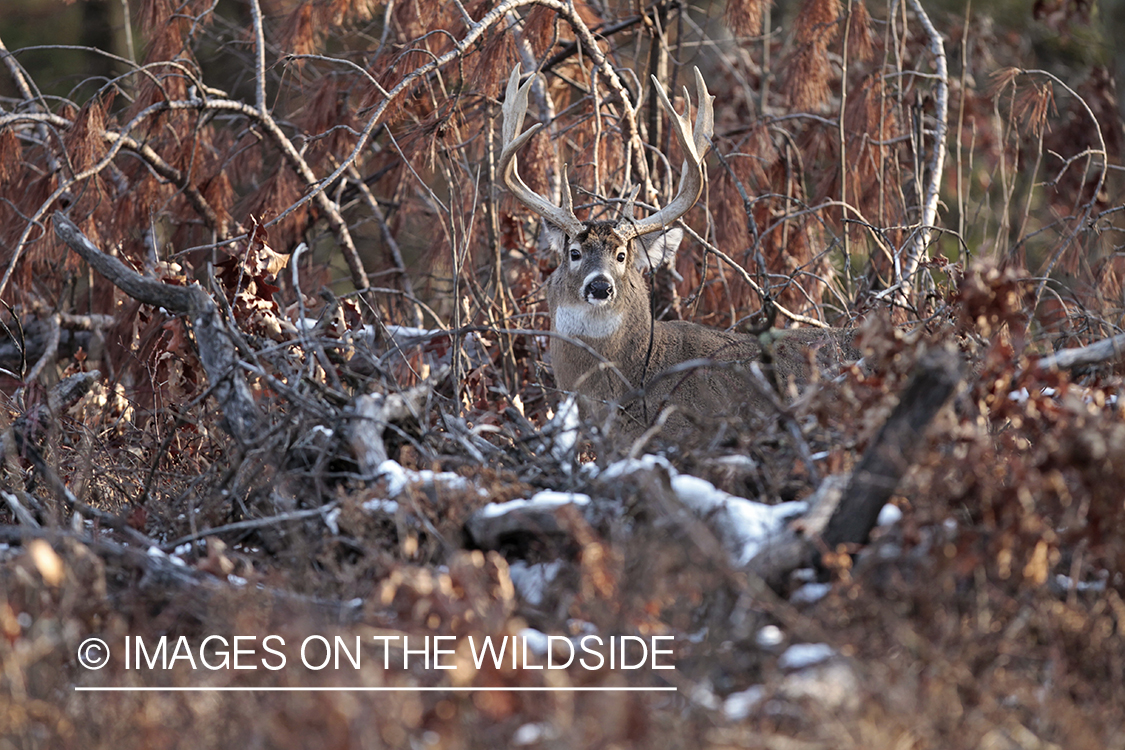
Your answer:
<point x="894" y="449"/>
<point x="372" y="412"/>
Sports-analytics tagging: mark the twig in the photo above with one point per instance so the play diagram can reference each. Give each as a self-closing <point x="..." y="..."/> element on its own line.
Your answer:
<point x="389" y="238"/>
<point x="1046" y="272"/>
<point x="931" y="196"/>
<point x="22" y="514"/>
<point x="250" y="525"/>
<point x="51" y="349"/>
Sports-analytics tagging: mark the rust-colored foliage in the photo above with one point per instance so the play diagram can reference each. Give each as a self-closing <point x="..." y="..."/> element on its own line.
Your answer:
<point x="745" y="16"/>
<point x="808" y="71"/>
<point x="1001" y="585"/>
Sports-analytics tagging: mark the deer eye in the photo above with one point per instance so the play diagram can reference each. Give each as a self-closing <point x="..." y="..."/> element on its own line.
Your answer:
<point x="575" y="254"/>
<point x="621" y="257"/>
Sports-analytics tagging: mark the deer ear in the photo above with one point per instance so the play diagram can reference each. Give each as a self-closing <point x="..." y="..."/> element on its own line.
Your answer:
<point x="552" y="239"/>
<point x="657" y="248"/>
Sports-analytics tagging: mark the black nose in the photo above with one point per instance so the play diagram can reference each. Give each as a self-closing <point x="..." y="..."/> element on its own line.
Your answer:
<point x="599" y="289"/>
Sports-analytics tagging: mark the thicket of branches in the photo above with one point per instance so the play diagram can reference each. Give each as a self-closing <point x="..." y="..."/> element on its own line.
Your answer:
<point x="307" y="192"/>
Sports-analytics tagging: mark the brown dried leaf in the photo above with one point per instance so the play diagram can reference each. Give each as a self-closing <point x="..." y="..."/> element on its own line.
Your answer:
<point x="817" y="23"/>
<point x="84" y="141"/>
<point x="540" y="29"/>
<point x="808" y="74"/>
<point x="1001" y="79"/>
<point x="299" y="34"/>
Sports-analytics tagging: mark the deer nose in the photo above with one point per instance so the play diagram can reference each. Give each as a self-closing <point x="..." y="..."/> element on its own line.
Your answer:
<point x="599" y="289"/>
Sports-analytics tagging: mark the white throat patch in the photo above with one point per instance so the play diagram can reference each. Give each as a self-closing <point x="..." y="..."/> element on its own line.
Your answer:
<point x="585" y="320"/>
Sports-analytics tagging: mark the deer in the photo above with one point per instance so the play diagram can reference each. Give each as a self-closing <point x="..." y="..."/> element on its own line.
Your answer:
<point x="607" y="348"/>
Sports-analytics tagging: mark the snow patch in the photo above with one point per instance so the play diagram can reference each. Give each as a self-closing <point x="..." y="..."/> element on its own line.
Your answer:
<point x="802" y="655"/>
<point x="743" y="524"/>
<point x="532" y="580"/>
<point x="769" y="637"/>
<point x="399" y="478"/>
<point x="737" y="706"/>
<point x="564" y="430"/>
<point x="532" y="734"/>
<point x="809" y="593"/>
<point x="627" y="466"/>
<point x="1064" y="582"/>
<point x="390" y="507"/>
<point x="544" y="499"/>
<point x="331" y="520"/>
<point x="890" y="514"/>
<point x="536" y="640"/>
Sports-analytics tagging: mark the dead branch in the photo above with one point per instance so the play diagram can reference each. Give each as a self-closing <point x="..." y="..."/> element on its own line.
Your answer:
<point x="1097" y="353"/>
<point x="373" y="412"/>
<point x="251" y="524"/>
<point x="936" y="171"/>
<point x="50" y="350"/>
<point x="212" y="340"/>
<point x="165" y="578"/>
<point x="894" y="449"/>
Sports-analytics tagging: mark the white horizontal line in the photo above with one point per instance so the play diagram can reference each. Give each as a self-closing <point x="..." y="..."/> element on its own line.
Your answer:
<point x="363" y="689"/>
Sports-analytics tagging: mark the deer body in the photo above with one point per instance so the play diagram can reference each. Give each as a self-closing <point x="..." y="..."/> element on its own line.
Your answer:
<point x="619" y="329"/>
<point x="610" y="350"/>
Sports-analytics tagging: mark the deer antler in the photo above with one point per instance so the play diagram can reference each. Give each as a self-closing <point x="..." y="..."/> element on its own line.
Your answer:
<point x="694" y="146"/>
<point x="514" y="109"/>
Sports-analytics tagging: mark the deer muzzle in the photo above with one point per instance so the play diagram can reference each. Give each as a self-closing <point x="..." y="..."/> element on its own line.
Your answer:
<point x="598" y="290"/>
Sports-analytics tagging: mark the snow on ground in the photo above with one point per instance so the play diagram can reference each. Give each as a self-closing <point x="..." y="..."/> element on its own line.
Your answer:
<point x="809" y="593"/>
<point x="742" y="525"/>
<point x="390" y="507"/>
<point x="563" y="428"/>
<point x="737" y="706"/>
<point x="536" y="641"/>
<point x="802" y="655"/>
<point x="890" y="514"/>
<point x="399" y="478"/>
<point x="544" y="499"/>
<point x="532" y="580"/>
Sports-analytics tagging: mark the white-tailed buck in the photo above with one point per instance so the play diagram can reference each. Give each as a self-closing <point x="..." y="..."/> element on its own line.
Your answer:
<point x="598" y="297"/>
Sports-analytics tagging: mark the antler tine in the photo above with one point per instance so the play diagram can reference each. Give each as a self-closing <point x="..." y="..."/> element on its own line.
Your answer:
<point x="694" y="146"/>
<point x="704" y="116"/>
<point x="514" y="110"/>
